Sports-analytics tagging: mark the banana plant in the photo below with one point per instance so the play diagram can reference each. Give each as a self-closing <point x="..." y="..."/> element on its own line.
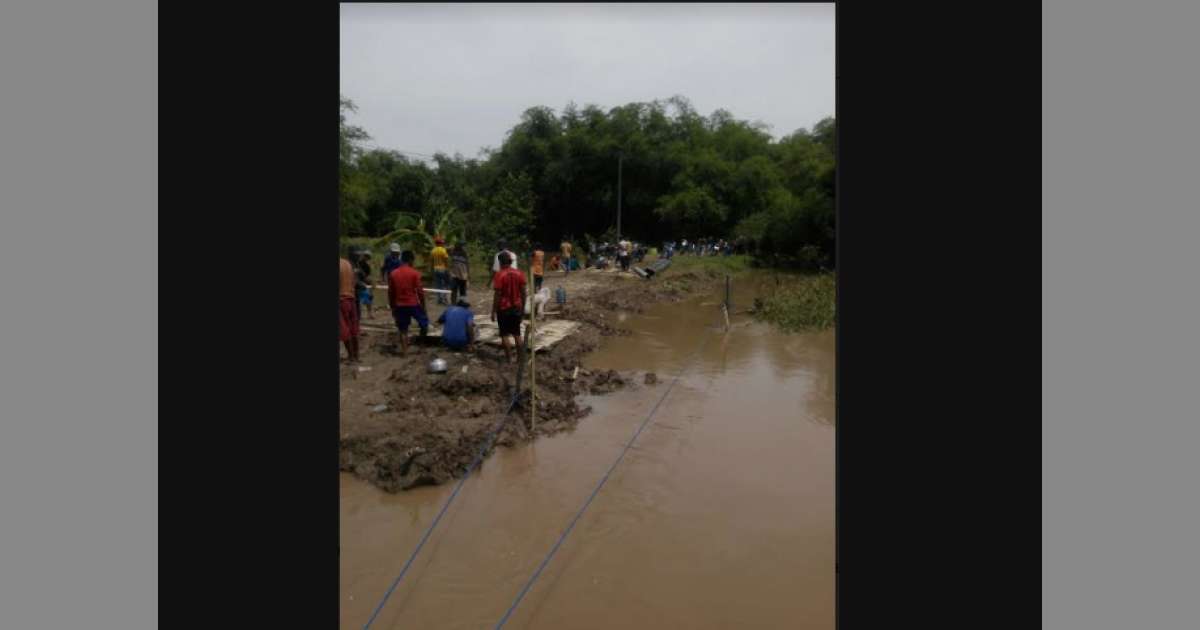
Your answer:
<point x="415" y="234"/>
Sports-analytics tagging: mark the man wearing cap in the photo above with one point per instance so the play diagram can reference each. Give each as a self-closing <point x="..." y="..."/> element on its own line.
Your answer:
<point x="497" y="267"/>
<point x="407" y="298"/>
<point x="440" y="259"/>
<point x="390" y="262"/>
<point x="458" y="326"/>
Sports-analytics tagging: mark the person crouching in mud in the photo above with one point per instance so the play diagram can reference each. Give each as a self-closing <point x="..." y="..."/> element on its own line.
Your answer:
<point x="407" y="298"/>
<point x="458" y="326"/>
<point x="508" y="303"/>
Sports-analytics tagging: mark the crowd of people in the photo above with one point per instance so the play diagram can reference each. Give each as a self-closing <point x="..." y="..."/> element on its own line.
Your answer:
<point x="450" y="269"/>
<point x="621" y="254"/>
<point x="703" y="247"/>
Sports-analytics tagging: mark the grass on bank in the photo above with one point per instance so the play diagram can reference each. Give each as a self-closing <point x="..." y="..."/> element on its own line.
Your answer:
<point x="709" y="265"/>
<point x="801" y="303"/>
<point x="806" y="303"/>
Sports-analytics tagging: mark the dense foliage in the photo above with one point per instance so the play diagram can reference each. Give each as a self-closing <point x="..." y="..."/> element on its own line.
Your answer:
<point x="555" y="175"/>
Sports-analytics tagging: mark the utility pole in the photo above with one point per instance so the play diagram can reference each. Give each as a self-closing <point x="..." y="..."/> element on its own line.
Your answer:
<point x="620" y="158"/>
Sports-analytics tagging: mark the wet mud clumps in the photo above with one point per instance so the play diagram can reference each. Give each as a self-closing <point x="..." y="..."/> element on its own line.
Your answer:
<point x="431" y="427"/>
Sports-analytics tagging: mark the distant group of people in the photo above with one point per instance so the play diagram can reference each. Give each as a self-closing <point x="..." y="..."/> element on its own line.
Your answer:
<point x="622" y="254"/>
<point x="703" y="247"/>
<point x="567" y="261"/>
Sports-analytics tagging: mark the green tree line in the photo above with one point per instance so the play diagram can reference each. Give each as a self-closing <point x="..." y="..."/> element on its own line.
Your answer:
<point x="684" y="175"/>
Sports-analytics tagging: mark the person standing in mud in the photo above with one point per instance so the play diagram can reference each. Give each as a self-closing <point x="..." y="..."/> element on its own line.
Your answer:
<point x="348" y="328"/>
<point x="390" y="262"/>
<point x="508" y="303"/>
<point x="364" y="284"/>
<point x="460" y="271"/>
<point x="497" y="266"/>
<point x="566" y="256"/>
<point x="441" y="268"/>
<point x="536" y="265"/>
<point x="407" y="298"/>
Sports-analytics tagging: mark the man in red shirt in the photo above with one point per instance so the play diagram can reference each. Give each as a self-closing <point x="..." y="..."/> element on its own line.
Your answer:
<point x="407" y="298"/>
<point x="508" y="303"/>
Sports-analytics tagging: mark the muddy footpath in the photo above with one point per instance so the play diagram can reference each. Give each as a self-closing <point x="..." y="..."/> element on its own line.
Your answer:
<point x="402" y="427"/>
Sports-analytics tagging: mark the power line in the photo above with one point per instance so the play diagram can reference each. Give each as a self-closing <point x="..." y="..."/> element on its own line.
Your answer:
<point x="603" y="480"/>
<point x="487" y="445"/>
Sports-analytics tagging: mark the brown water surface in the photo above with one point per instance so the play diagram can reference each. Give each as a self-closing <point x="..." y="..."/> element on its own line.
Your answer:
<point x="721" y="516"/>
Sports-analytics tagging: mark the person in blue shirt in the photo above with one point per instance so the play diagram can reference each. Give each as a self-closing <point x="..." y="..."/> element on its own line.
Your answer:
<point x="458" y="326"/>
<point x="390" y="262"/>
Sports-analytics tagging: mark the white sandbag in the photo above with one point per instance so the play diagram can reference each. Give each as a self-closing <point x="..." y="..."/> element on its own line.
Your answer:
<point x="539" y="300"/>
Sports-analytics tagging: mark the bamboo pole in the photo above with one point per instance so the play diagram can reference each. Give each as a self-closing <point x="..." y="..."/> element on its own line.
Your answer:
<point x="532" y="355"/>
<point x="728" y="304"/>
<point x="725" y="306"/>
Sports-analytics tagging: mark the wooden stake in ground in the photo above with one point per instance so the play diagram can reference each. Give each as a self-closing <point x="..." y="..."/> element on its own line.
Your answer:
<point x="728" y="302"/>
<point x="532" y="356"/>
<point x="725" y="305"/>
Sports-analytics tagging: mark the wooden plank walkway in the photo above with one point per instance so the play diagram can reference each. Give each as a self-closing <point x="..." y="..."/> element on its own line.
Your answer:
<point x="549" y="332"/>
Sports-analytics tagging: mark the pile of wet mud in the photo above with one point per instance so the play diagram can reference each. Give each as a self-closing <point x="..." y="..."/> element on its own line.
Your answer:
<point x="429" y="428"/>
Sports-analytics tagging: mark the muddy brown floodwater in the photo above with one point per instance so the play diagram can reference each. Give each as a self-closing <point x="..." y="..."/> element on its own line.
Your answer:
<point x="721" y="516"/>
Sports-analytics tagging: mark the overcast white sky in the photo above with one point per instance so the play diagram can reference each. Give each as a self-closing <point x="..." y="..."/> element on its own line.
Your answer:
<point x="455" y="78"/>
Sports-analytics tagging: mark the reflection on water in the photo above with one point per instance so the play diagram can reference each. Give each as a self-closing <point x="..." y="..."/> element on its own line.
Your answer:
<point x="721" y="516"/>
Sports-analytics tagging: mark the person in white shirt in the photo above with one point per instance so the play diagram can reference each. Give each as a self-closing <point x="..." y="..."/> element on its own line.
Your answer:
<point x="623" y="251"/>
<point x="501" y="245"/>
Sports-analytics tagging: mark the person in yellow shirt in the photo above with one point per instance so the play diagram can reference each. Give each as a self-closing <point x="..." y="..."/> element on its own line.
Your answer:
<point x="441" y="268"/>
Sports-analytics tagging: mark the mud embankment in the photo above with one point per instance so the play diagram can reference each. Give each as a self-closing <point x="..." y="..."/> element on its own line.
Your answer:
<point x="402" y="427"/>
